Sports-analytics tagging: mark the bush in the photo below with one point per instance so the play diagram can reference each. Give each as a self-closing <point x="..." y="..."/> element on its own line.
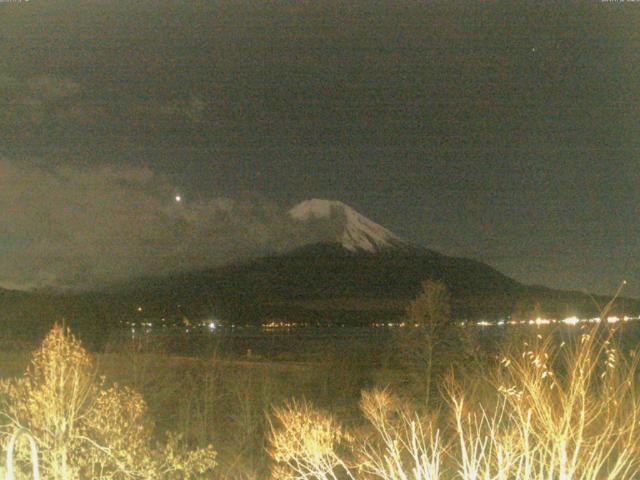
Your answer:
<point x="85" y="428"/>
<point x="305" y="443"/>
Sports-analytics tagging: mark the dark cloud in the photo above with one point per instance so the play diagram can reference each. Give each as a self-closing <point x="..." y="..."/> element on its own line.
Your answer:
<point x="59" y="109"/>
<point x="67" y="226"/>
<point x="37" y="102"/>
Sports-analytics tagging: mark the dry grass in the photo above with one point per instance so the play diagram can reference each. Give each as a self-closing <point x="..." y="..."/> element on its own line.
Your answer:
<point x="560" y="411"/>
<point x="567" y="412"/>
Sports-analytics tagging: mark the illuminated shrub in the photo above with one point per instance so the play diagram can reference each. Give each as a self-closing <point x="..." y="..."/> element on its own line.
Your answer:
<point x="547" y="411"/>
<point x="85" y="428"/>
<point x="559" y="411"/>
<point x="402" y="445"/>
<point x="305" y="443"/>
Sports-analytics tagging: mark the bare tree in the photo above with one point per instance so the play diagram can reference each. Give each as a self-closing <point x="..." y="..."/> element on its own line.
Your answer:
<point x="428" y="328"/>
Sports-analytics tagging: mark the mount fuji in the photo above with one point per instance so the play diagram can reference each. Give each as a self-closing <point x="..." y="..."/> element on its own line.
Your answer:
<point x="348" y="228"/>
<point x="350" y="270"/>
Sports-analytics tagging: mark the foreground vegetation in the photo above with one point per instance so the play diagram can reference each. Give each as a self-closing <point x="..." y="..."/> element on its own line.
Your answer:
<point x="85" y="427"/>
<point x="546" y="412"/>
<point x="542" y="408"/>
<point x="438" y="405"/>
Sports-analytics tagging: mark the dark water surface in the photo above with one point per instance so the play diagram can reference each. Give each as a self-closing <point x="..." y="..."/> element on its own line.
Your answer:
<point x="316" y="342"/>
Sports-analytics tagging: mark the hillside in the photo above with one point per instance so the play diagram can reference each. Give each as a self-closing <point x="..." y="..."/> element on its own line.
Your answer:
<point x="327" y="283"/>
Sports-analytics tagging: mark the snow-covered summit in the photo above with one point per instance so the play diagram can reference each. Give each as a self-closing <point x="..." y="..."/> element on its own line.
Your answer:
<point x="352" y="230"/>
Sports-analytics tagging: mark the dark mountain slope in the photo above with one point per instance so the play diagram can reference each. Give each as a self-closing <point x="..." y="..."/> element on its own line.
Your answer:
<point x="325" y="282"/>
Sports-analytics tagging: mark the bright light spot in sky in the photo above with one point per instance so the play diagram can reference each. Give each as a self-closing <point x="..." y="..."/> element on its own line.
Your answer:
<point x="178" y="198"/>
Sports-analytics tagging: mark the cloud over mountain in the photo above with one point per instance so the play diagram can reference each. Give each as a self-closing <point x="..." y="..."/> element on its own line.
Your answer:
<point x="70" y="226"/>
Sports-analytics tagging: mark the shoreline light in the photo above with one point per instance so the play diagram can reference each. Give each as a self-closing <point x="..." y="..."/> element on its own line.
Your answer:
<point x="571" y="321"/>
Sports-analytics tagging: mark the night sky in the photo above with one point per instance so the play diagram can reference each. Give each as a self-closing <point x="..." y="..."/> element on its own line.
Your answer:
<point x="508" y="134"/>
